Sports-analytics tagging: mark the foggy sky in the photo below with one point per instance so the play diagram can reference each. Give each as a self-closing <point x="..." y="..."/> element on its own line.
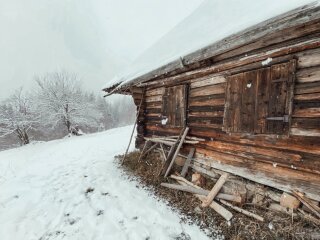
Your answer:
<point x="95" y="38"/>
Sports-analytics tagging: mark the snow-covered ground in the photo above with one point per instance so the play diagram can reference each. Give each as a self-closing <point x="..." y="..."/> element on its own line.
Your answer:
<point x="72" y="189"/>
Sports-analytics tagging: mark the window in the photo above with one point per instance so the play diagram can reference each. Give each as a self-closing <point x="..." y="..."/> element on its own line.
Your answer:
<point x="174" y="106"/>
<point x="260" y="101"/>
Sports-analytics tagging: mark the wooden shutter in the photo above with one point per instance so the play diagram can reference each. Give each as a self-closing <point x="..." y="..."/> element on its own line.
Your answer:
<point x="260" y="101"/>
<point x="280" y="97"/>
<point x="174" y="105"/>
<point x="232" y="120"/>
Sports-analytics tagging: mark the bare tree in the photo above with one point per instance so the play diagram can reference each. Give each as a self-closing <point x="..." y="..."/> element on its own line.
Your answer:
<point x="60" y="99"/>
<point x="17" y="116"/>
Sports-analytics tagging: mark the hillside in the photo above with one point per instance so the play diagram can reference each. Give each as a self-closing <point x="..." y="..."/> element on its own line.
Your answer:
<point x="73" y="189"/>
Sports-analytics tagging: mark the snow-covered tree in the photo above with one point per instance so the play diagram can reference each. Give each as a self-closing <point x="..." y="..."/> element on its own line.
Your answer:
<point x="17" y="116"/>
<point x="60" y="99"/>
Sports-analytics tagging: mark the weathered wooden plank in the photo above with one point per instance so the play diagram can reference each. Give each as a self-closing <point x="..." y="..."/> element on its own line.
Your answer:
<point x="225" y="146"/>
<point x="205" y="125"/>
<point x="307" y="112"/>
<point x="305" y="132"/>
<point x="215" y="190"/>
<point x="155" y="92"/>
<point x="262" y="100"/>
<point x="313" y="87"/>
<point x="307" y="97"/>
<point x="294" y="143"/>
<point x="306" y="123"/>
<point x="206" y="114"/>
<point x="250" y="158"/>
<point x="278" y="99"/>
<point x="235" y="101"/>
<point x="154" y="104"/>
<point x="153" y="98"/>
<point x="248" y="106"/>
<point x="218" y="102"/>
<point x="187" y="163"/>
<point x="308" y="75"/>
<point x="208" y="90"/>
<point x="206" y="108"/>
<point x="309" y="58"/>
<point x="207" y="81"/>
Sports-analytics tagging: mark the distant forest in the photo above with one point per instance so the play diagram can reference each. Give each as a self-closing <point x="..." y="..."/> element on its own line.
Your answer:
<point x="57" y="107"/>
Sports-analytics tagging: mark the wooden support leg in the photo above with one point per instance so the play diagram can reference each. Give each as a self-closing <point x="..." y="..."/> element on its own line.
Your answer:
<point x="177" y="151"/>
<point x="187" y="163"/>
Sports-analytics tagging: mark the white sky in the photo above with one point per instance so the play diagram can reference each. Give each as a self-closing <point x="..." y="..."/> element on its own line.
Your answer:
<point x="95" y="38"/>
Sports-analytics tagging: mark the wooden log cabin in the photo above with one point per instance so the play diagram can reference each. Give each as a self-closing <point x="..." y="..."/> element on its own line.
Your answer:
<point x="254" y="96"/>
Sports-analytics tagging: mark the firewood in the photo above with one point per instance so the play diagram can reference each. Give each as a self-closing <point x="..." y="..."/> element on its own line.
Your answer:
<point x="190" y="189"/>
<point x="289" y="201"/>
<point x="245" y="212"/>
<point x="215" y="190"/>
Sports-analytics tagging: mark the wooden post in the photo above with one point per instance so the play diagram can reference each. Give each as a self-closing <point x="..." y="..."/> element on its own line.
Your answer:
<point x="215" y="190"/>
<point x="172" y="149"/>
<point x="177" y="151"/>
<point x="187" y="163"/>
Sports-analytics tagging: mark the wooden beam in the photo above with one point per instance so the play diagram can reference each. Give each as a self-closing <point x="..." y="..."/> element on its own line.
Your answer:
<point x="215" y="190"/>
<point x="190" y="189"/>
<point x="187" y="163"/>
<point x="177" y="151"/>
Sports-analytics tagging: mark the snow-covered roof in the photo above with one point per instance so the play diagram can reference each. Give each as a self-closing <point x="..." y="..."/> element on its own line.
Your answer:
<point x="211" y="22"/>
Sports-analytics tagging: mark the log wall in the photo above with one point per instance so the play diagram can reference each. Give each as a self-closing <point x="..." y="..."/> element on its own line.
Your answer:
<point x="282" y="161"/>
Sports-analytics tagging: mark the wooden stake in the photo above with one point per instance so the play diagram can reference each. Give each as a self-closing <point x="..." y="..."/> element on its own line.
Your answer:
<point x="187" y="163"/>
<point x="245" y="212"/>
<point x="215" y="190"/>
<point x="177" y="151"/>
<point x="203" y="192"/>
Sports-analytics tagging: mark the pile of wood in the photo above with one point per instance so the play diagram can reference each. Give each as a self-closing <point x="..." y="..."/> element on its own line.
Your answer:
<point x="219" y="200"/>
<point x="229" y="191"/>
